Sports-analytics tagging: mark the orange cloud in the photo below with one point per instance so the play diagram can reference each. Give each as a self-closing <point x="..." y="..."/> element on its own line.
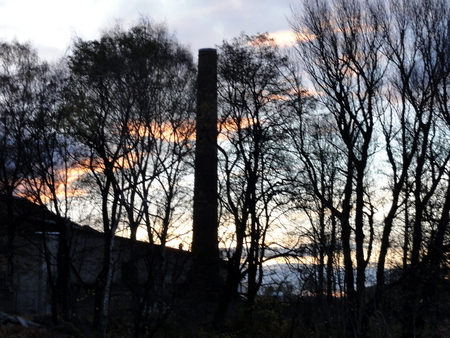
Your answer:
<point x="284" y="38"/>
<point x="165" y="131"/>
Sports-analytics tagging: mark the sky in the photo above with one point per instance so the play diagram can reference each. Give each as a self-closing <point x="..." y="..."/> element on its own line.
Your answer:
<point x="51" y="25"/>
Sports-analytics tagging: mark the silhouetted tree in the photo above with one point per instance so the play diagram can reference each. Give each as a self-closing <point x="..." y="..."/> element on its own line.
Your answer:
<point x="48" y="179"/>
<point x="341" y="50"/>
<point x="18" y="73"/>
<point x="131" y="100"/>
<point x="251" y="91"/>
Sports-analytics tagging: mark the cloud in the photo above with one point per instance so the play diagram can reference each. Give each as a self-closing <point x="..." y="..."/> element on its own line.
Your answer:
<point x="51" y="24"/>
<point x="284" y="38"/>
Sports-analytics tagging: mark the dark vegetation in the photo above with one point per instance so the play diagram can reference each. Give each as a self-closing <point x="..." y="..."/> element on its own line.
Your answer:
<point x="333" y="161"/>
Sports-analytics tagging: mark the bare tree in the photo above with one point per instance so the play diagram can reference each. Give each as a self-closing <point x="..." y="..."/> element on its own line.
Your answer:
<point x="340" y="47"/>
<point x="48" y="180"/>
<point x="101" y="120"/>
<point x="18" y="72"/>
<point x="251" y="91"/>
<point x="160" y="81"/>
<point x="132" y="104"/>
<point x="416" y="44"/>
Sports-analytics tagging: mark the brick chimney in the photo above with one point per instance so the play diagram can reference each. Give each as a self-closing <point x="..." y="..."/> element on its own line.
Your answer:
<point x="205" y="222"/>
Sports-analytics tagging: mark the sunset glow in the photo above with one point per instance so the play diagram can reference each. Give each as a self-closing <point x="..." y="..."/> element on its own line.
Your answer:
<point x="284" y="38"/>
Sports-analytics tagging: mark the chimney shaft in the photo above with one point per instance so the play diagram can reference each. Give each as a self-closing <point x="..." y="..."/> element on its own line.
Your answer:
<point x="205" y="223"/>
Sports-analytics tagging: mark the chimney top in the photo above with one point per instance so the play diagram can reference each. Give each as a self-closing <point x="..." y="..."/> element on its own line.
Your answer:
<point x="207" y="51"/>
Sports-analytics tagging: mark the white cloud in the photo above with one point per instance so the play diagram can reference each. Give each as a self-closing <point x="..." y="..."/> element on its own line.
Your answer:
<point x="283" y="38"/>
<point x="51" y="24"/>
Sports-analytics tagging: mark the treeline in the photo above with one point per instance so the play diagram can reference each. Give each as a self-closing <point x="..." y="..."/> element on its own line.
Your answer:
<point x="333" y="156"/>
